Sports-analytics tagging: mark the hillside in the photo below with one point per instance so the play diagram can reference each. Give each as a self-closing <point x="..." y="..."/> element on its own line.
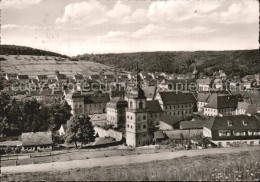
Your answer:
<point x="46" y="65"/>
<point x="240" y="62"/>
<point x="22" y="50"/>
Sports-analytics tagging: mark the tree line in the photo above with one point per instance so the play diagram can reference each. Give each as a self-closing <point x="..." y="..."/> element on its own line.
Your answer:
<point x="22" y="50"/>
<point x="18" y="116"/>
<point x="234" y="63"/>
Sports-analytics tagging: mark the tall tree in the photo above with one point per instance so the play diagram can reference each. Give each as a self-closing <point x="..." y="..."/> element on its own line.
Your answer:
<point x="61" y="113"/>
<point x="80" y="129"/>
<point x="4" y="101"/>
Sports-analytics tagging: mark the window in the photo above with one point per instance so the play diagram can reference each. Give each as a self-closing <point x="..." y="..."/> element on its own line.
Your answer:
<point x="144" y="126"/>
<point x="141" y="105"/>
<point x="244" y="123"/>
<point x="131" y="104"/>
<point x="250" y="133"/>
<point x="219" y="144"/>
<point x="237" y="133"/>
<point x="131" y="127"/>
<point x="144" y="117"/>
<point x="165" y="107"/>
<point x="257" y="133"/>
<point x="170" y="107"/>
<point x="128" y="126"/>
<point x="230" y="123"/>
<point x="251" y="142"/>
<point x="224" y="133"/>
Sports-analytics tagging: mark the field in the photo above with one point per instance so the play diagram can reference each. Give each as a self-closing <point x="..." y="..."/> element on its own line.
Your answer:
<point x="225" y="167"/>
<point x="46" y="65"/>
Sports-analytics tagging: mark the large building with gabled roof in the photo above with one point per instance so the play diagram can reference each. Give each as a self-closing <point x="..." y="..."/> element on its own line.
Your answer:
<point x="227" y="130"/>
<point x="175" y="103"/>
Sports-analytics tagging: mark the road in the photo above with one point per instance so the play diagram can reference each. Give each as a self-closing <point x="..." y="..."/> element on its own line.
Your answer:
<point x="119" y="160"/>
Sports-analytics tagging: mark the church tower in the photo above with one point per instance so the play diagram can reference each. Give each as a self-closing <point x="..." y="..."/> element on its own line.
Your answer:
<point x="136" y="116"/>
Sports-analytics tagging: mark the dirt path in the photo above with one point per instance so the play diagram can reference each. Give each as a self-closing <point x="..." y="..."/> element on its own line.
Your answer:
<point x="117" y="160"/>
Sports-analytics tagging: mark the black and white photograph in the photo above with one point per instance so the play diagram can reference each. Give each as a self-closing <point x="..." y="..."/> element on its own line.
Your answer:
<point x="129" y="90"/>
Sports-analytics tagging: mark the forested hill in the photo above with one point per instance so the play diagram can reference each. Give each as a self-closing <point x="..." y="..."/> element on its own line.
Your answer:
<point x="22" y="50"/>
<point x="240" y="62"/>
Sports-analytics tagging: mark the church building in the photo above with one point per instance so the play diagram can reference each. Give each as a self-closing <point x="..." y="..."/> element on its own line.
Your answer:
<point x="136" y="116"/>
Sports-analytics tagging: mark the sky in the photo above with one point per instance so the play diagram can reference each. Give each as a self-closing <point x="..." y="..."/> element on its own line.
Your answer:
<point x="73" y="27"/>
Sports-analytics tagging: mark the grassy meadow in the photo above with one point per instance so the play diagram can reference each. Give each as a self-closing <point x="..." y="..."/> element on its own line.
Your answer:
<point x="242" y="166"/>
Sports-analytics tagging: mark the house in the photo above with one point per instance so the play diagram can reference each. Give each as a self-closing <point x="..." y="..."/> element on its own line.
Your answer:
<point x="222" y="74"/>
<point x="108" y="78"/>
<point x="117" y="90"/>
<point x="122" y="78"/>
<point x="62" y="78"/>
<point x="221" y="104"/>
<point x="116" y="111"/>
<point x="218" y="84"/>
<point x="150" y="92"/>
<point x="39" y="141"/>
<point x="42" y="94"/>
<point x="23" y="78"/>
<point x="168" y="122"/>
<point x="131" y="76"/>
<point x="146" y="76"/>
<point x="10" y="144"/>
<point x="42" y="78"/>
<point x="192" y="125"/>
<point x="11" y="76"/>
<point x="104" y="133"/>
<point x="248" y="78"/>
<point x="18" y="94"/>
<point x="204" y="84"/>
<point x="185" y="135"/>
<point x="158" y="77"/>
<point x="203" y="99"/>
<point x="159" y="136"/>
<point x="179" y="85"/>
<point x="227" y="130"/>
<point x="175" y="103"/>
<point x="78" y="77"/>
<point x="99" y="119"/>
<point x="95" y="77"/>
<point x="248" y="84"/>
<point x="154" y="111"/>
<point x="63" y="129"/>
<point x="85" y="103"/>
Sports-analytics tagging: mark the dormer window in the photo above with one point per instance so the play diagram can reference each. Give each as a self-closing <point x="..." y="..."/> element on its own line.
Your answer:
<point x="230" y="123"/>
<point x="245" y="123"/>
